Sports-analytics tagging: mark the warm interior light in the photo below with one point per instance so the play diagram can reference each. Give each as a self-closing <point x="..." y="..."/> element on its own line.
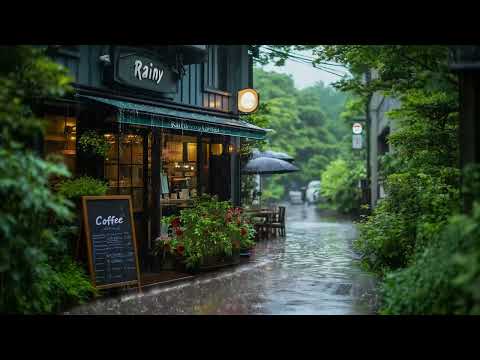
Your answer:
<point x="231" y="148"/>
<point x="247" y="100"/>
<point x="217" y="149"/>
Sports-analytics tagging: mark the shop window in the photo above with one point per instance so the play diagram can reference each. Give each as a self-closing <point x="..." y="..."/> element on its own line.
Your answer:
<point x="124" y="167"/>
<point x="216" y="68"/>
<point x="60" y="139"/>
<point x="179" y="167"/>
<point x="217" y="149"/>
<point x="192" y="152"/>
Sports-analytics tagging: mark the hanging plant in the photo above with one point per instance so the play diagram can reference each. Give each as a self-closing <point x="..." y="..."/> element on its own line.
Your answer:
<point x="93" y="143"/>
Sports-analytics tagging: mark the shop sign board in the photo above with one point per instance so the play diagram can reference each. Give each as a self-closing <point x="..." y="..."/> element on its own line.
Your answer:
<point x="110" y="233"/>
<point x="357" y="128"/>
<point x="184" y="125"/>
<point x="357" y="141"/>
<point x="142" y="70"/>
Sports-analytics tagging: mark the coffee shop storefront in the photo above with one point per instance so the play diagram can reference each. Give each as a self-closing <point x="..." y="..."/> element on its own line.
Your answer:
<point x="162" y="152"/>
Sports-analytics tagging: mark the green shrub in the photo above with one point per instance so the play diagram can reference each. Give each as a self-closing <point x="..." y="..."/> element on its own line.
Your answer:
<point x="340" y="184"/>
<point x="272" y="192"/>
<point x="443" y="277"/>
<point x="416" y="209"/>
<point x="70" y="285"/>
<point x="83" y="186"/>
<point x="33" y="274"/>
<point x="386" y="240"/>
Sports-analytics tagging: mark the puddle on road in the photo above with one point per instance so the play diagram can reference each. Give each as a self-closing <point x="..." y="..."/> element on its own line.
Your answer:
<point x="311" y="271"/>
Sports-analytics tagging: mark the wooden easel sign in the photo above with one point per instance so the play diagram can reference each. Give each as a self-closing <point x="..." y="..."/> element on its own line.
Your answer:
<point x="112" y="247"/>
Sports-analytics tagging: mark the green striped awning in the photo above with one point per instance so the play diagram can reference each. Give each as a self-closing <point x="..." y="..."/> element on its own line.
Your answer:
<point x="153" y="116"/>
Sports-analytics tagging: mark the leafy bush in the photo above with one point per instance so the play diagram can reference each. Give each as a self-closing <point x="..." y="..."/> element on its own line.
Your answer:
<point x="272" y="191"/>
<point x="33" y="278"/>
<point x="444" y="277"/>
<point x="74" y="189"/>
<point x="209" y="228"/>
<point x="416" y="209"/>
<point x="69" y="285"/>
<point x="340" y="184"/>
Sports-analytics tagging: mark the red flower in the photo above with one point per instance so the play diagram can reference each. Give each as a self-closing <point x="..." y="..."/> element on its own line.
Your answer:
<point x="243" y="231"/>
<point x="176" y="222"/>
<point x="180" y="249"/>
<point x="238" y="222"/>
<point x="228" y="218"/>
<point x="178" y="231"/>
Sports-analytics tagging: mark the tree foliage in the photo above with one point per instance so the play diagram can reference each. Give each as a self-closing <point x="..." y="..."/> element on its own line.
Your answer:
<point x="36" y="276"/>
<point x="405" y="240"/>
<point x="340" y="184"/>
<point x="306" y="124"/>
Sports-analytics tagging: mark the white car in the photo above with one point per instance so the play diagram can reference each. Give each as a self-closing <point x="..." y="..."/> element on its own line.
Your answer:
<point x="312" y="194"/>
<point x="295" y="197"/>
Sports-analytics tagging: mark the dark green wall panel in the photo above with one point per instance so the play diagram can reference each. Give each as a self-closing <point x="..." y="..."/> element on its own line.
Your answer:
<point x="87" y="69"/>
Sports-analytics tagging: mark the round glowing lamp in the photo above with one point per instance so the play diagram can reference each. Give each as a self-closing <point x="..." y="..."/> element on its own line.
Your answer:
<point x="247" y="100"/>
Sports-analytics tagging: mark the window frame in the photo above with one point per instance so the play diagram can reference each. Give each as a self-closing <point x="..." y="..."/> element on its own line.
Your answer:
<point x="206" y="65"/>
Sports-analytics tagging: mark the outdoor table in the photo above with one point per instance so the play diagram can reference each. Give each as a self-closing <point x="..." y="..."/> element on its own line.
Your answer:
<point x="266" y="214"/>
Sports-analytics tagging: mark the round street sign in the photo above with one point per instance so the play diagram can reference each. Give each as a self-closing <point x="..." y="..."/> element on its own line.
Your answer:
<point x="357" y="128"/>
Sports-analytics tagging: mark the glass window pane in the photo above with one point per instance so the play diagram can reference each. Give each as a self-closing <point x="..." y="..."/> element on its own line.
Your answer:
<point x="137" y="175"/>
<point x="137" y="199"/>
<point x="125" y="176"/>
<point x="60" y="138"/>
<point x="112" y="191"/>
<point x="192" y="151"/>
<point x="125" y="149"/>
<point x="111" y="174"/>
<point x="112" y="155"/>
<point x="137" y="149"/>
<point x="125" y="191"/>
<point x="217" y="149"/>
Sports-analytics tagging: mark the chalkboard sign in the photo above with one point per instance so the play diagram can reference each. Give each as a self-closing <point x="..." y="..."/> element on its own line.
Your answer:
<point x="110" y="233"/>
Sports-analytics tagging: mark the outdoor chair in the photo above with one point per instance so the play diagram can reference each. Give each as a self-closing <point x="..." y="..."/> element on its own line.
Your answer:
<point x="262" y="231"/>
<point x="278" y="223"/>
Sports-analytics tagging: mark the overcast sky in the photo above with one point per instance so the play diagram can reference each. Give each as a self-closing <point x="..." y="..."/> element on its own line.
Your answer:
<point x="303" y="74"/>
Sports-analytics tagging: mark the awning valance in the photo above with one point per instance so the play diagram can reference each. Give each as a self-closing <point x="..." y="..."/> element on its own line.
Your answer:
<point x="153" y="116"/>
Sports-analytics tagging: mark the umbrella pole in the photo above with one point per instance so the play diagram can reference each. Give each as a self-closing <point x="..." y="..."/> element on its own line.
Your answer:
<point x="261" y="189"/>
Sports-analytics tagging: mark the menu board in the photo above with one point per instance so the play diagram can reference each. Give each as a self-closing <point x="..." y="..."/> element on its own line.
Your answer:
<point x="111" y="242"/>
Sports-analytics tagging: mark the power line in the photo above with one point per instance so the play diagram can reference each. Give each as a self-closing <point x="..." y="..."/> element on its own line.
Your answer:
<point x="301" y="56"/>
<point x="307" y="62"/>
<point x="317" y="65"/>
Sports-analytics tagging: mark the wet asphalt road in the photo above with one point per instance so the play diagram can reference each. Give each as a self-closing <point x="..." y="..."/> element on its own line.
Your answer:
<point x="311" y="271"/>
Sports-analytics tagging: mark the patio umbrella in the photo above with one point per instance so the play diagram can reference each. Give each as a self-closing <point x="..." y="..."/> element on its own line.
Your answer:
<point x="268" y="165"/>
<point x="272" y="154"/>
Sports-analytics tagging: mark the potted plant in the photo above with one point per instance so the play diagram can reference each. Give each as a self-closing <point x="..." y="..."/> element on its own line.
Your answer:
<point x="73" y="190"/>
<point x="93" y="144"/>
<point x="209" y="235"/>
<point x="171" y="253"/>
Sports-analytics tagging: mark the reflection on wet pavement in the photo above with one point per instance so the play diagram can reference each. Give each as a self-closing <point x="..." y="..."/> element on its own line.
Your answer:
<point x="311" y="271"/>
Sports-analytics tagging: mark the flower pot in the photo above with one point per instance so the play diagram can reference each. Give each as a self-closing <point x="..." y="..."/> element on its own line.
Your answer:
<point x="168" y="263"/>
